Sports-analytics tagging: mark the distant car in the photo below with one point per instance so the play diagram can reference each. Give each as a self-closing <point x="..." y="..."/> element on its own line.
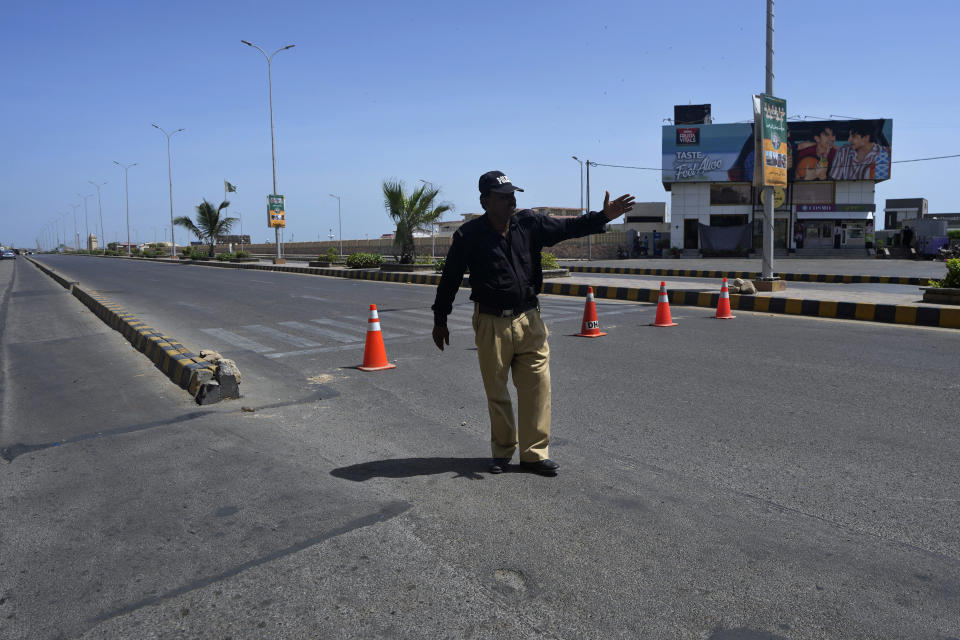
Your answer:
<point x="7" y="254"/>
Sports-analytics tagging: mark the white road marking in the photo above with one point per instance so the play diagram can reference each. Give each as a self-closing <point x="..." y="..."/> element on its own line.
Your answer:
<point x="329" y="333"/>
<point x="360" y="326"/>
<point x="276" y="334"/>
<point x="237" y="341"/>
<point x="311" y="297"/>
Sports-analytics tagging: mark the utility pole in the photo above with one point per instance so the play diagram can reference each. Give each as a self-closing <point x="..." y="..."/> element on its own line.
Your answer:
<point x="86" y="218"/>
<point x="273" y="153"/>
<point x="103" y="237"/>
<point x="582" y="212"/>
<point x="126" y="182"/>
<point x="766" y="269"/>
<point x="589" y="243"/>
<point x="173" y="241"/>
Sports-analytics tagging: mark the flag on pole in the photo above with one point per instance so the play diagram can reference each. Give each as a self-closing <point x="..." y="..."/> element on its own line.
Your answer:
<point x="229" y="188"/>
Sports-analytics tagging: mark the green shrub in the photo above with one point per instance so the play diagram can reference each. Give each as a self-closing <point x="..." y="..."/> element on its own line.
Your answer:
<point x="330" y="255"/>
<point x="953" y="234"/>
<point x="241" y="254"/>
<point x="952" y="281"/>
<point x="439" y="264"/>
<point x="223" y="257"/>
<point x="198" y="255"/>
<point x="364" y="260"/>
<point x="548" y="260"/>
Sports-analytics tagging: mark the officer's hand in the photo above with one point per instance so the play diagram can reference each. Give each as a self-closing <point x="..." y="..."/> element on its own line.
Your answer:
<point x="618" y="207"/>
<point x="440" y="335"/>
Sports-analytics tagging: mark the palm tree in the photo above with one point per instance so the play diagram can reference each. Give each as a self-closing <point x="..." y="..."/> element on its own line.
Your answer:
<point x="411" y="213"/>
<point x="209" y="225"/>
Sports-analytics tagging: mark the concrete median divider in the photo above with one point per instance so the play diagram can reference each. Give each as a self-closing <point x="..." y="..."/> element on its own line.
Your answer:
<point x="185" y="369"/>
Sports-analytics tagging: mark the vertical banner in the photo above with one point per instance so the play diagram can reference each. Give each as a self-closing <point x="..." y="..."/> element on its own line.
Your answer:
<point x="276" y="216"/>
<point x="770" y="115"/>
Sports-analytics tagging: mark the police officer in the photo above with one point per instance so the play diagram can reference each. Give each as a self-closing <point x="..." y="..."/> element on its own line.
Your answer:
<point x="502" y="249"/>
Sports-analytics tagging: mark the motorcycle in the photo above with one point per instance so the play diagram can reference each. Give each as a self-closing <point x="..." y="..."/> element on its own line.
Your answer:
<point x="948" y="253"/>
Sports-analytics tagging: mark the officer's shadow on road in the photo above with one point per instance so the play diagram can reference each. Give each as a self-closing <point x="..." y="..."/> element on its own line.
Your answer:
<point x="470" y="468"/>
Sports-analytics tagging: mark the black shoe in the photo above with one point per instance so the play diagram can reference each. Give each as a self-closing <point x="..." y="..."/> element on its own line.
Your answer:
<point x="499" y="465"/>
<point x="545" y="467"/>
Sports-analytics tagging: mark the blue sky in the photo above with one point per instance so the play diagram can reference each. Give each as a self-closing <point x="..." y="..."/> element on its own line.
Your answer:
<point x="440" y="91"/>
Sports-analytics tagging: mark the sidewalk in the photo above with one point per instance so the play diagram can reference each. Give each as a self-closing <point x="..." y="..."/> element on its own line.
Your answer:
<point x="863" y="293"/>
<point x="927" y="269"/>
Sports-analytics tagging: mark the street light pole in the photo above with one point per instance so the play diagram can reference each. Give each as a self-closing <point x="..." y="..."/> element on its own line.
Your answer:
<point x="103" y="237"/>
<point x="173" y="241"/>
<point x="339" y="222"/>
<point x="126" y="182"/>
<point x="580" y="162"/>
<point x="273" y="153"/>
<point x="241" y="230"/>
<point x="589" y="238"/>
<point x="76" y="234"/>
<point x="766" y="265"/>
<point x="63" y="224"/>
<point x="86" y="218"/>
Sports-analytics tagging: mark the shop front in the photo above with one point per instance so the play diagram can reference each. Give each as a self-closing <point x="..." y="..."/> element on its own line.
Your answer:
<point x="836" y="226"/>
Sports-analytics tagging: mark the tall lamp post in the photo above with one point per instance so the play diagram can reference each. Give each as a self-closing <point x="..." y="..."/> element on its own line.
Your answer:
<point x="76" y="234"/>
<point x="103" y="237"/>
<point x="589" y="237"/>
<point x="339" y="222"/>
<point x="173" y="241"/>
<point x="582" y="212"/>
<point x="86" y="218"/>
<point x="63" y="224"/>
<point x="273" y="153"/>
<point x="126" y="187"/>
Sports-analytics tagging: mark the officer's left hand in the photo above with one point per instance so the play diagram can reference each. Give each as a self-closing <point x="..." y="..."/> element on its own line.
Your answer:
<point x="618" y="207"/>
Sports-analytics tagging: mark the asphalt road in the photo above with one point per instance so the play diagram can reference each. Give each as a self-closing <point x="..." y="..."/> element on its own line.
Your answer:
<point x="765" y="477"/>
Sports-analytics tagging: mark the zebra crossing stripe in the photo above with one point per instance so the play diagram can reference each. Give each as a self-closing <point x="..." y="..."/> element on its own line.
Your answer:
<point x="359" y="329"/>
<point x="282" y="336"/>
<point x="329" y="333"/>
<point x="236" y="340"/>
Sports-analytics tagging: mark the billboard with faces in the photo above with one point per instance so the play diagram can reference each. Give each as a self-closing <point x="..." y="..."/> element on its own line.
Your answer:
<point x="828" y="150"/>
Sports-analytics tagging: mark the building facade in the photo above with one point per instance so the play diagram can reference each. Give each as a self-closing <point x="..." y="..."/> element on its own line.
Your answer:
<point x="828" y="204"/>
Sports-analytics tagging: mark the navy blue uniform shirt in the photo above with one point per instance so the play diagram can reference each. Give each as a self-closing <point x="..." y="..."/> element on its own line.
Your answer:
<point x="505" y="272"/>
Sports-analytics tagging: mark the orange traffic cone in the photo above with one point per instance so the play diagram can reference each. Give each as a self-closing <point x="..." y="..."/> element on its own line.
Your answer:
<point x="374" y="355"/>
<point x="590" y="327"/>
<point x="723" y="306"/>
<point x="663" y="309"/>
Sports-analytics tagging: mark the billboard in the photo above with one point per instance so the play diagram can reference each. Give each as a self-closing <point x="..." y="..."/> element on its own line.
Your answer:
<point x="828" y="150"/>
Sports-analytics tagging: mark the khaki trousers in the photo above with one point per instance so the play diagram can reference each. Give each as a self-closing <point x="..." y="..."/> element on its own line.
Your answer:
<point x="518" y="345"/>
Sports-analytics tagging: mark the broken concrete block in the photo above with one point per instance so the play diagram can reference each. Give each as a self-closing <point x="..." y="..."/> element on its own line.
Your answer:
<point x="228" y="375"/>
<point x="209" y="393"/>
<point x="198" y="377"/>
